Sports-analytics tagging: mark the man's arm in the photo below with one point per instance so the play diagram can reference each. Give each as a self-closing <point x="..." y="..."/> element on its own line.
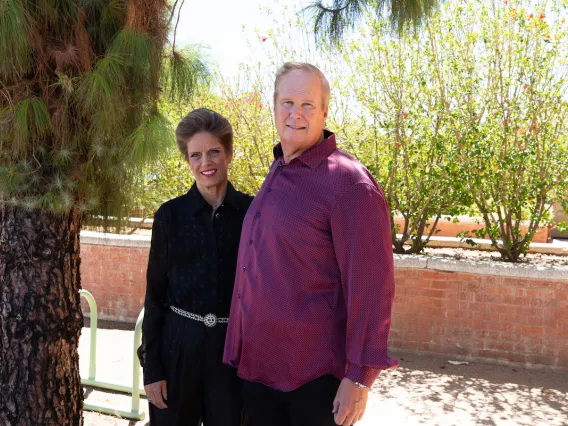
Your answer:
<point x="362" y="242"/>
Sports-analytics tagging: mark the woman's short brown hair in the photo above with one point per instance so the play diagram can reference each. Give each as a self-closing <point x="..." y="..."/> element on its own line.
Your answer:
<point x="204" y="120"/>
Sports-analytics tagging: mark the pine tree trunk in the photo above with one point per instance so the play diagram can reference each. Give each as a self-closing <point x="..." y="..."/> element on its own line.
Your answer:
<point x="40" y="318"/>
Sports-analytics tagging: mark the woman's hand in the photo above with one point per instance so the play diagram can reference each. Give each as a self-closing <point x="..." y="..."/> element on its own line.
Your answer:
<point x="157" y="393"/>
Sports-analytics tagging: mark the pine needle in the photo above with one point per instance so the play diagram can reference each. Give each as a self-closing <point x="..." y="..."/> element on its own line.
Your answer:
<point x="15" y="51"/>
<point x="152" y="137"/>
<point x="184" y="74"/>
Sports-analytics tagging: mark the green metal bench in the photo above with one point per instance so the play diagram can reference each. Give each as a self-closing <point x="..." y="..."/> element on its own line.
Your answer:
<point x="134" y="390"/>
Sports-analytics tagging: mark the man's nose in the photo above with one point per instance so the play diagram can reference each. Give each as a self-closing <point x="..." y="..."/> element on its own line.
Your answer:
<point x="295" y="111"/>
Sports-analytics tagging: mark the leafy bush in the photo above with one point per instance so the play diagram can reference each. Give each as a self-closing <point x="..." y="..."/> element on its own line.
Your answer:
<point x="501" y="70"/>
<point x="469" y="115"/>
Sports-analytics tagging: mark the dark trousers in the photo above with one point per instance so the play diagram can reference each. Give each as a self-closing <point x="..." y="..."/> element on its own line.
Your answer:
<point x="309" y="405"/>
<point x="200" y="387"/>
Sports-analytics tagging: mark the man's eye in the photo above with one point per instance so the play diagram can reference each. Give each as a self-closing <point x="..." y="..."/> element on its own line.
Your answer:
<point x="195" y="155"/>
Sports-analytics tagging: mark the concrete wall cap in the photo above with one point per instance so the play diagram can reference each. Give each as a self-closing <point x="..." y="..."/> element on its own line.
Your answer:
<point x="481" y="267"/>
<point x="115" y="240"/>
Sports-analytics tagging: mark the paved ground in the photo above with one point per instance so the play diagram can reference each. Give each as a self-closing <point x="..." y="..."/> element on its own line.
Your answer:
<point x="425" y="390"/>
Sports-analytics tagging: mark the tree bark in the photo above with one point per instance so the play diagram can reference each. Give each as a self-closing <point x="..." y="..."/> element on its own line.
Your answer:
<point x="40" y="318"/>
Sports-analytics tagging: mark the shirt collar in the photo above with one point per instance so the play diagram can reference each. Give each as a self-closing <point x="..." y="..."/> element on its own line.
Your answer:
<point x="197" y="202"/>
<point x="316" y="154"/>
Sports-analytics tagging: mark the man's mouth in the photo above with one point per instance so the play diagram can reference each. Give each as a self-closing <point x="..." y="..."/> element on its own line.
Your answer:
<point x="209" y="173"/>
<point x="295" y="127"/>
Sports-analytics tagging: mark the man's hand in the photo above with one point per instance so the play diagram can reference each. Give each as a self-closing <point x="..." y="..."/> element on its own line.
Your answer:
<point x="157" y="393"/>
<point x="349" y="403"/>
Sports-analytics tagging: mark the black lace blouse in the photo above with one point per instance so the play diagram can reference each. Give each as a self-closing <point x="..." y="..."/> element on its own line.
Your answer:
<point x="192" y="263"/>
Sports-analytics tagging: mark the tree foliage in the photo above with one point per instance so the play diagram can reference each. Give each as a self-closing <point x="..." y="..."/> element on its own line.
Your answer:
<point x="472" y="109"/>
<point x="331" y="19"/>
<point x="504" y="81"/>
<point x="466" y="116"/>
<point x="79" y="115"/>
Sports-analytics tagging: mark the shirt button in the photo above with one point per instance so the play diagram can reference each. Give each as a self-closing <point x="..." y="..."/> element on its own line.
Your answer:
<point x="257" y="215"/>
<point x="250" y="242"/>
<point x="244" y="268"/>
<point x="217" y="215"/>
<point x="269" y="190"/>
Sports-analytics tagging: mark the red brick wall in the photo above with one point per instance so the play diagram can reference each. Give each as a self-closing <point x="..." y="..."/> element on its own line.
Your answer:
<point x="482" y="316"/>
<point x="463" y="315"/>
<point x="116" y="277"/>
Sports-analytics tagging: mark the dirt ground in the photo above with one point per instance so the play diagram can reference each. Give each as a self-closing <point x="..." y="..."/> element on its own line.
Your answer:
<point x="424" y="390"/>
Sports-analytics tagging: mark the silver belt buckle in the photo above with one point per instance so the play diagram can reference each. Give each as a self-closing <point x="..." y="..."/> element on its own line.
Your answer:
<point x="210" y="320"/>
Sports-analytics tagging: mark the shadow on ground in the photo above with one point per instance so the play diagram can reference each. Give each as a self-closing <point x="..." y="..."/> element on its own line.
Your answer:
<point x="424" y="390"/>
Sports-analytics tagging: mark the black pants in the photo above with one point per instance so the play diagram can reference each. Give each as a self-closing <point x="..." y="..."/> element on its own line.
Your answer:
<point x="309" y="405"/>
<point x="200" y="387"/>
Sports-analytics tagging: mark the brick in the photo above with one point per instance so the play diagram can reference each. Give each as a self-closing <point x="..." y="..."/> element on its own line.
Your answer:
<point x="531" y="321"/>
<point x="509" y="336"/>
<point x="463" y="278"/>
<point x="445" y="285"/>
<point x="538" y="331"/>
<point x="539" y="359"/>
<point x="507" y="318"/>
<point x="513" y="300"/>
<point x="435" y="293"/>
<point x="515" y="357"/>
<point x="434" y="274"/>
<point x="494" y="354"/>
<point x="479" y="307"/>
<point x="487" y="298"/>
<point x="499" y="345"/>
<point x="526" y="310"/>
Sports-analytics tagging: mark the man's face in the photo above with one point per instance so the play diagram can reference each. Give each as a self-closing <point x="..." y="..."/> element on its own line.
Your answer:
<point x="299" y="111"/>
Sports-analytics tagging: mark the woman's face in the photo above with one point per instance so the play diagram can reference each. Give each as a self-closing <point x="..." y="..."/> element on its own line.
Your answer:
<point x="208" y="160"/>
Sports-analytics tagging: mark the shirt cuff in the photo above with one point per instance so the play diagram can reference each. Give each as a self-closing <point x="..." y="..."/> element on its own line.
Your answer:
<point x="364" y="375"/>
<point x="152" y="376"/>
<point x="152" y="370"/>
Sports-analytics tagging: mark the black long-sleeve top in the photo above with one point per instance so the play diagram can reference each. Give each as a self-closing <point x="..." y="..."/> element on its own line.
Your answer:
<point x="193" y="256"/>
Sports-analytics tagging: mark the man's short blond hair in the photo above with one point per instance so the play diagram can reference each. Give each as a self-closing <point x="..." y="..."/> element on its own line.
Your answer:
<point x="303" y="66"/>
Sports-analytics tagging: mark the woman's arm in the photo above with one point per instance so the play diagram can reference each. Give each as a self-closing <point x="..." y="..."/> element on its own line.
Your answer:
<point x="155" y="301"/>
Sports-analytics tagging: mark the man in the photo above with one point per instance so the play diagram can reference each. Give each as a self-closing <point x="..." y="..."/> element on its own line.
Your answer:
<point x="311" y="307"/>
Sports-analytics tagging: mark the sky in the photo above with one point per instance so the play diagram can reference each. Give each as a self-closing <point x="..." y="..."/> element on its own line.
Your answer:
<point x="223" y="27"/>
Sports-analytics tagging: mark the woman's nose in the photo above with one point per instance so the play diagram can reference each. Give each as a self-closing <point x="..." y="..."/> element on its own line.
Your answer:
<point x="206" y="159"/>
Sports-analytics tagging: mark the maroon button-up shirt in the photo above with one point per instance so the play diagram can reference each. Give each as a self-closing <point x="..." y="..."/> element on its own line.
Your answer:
<point x="315" y="275"/>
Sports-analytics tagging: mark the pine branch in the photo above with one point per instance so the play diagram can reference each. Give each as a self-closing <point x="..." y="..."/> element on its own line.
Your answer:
<point x="331" y="22"/>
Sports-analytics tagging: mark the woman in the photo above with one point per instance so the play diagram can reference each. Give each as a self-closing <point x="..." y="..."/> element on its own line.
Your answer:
<point x="190" y="278"/>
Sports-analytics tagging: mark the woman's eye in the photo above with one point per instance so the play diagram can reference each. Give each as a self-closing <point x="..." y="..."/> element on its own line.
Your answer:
<point x="195" y="155"/>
